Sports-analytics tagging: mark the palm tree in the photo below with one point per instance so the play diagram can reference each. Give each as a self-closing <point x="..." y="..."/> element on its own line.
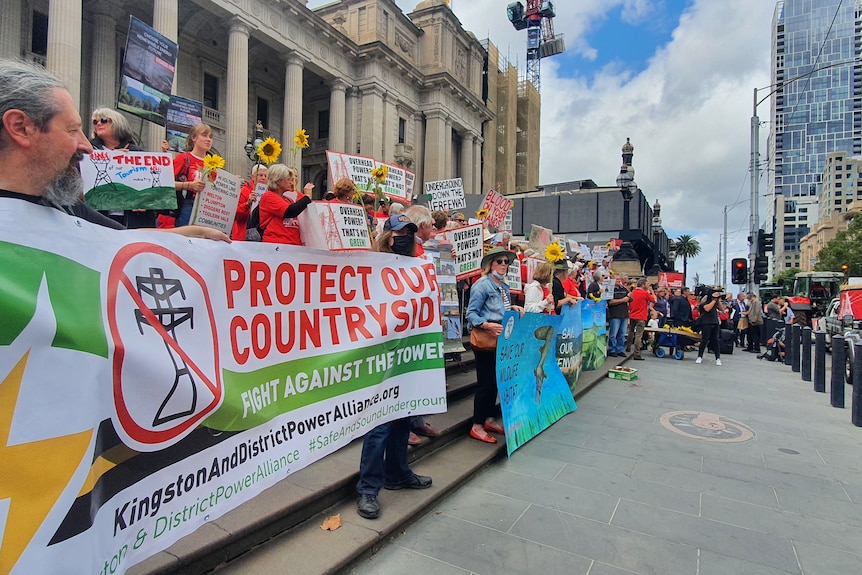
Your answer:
<point x="687" y="247"/>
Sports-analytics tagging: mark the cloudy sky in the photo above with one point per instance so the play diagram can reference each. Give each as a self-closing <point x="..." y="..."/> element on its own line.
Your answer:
<point x="675" y="76"/>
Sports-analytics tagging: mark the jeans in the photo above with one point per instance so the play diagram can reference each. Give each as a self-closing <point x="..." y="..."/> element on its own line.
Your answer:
<point x="384" y="457"/>
<point x="185" y="212"/>
<point x="617" y="334"/>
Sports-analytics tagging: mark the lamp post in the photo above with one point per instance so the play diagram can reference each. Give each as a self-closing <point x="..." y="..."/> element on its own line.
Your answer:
<point x="251" y="146"/>
<point x="626" y="184"/>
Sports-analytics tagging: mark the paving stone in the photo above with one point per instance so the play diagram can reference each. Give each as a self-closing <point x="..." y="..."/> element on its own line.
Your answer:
<point x="718" y="564"/>
<point x="819" y="560"/>
<point x="483" y="508"/>
<point x="840" y="510"/>
<point x="815" y="485"/>
<point x="397" y="560"/>
<point x="582" y="457"/>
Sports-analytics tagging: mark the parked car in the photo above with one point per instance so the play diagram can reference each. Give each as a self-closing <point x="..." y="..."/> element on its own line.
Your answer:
<point x="844" y="317"/>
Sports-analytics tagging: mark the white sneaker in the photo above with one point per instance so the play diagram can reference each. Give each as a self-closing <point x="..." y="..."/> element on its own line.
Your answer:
<point x="699" y="360"/>
<point x="718" y="362"/>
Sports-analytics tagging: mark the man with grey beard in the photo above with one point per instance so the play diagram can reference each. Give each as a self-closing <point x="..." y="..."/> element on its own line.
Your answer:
<point x="42" y="143"/>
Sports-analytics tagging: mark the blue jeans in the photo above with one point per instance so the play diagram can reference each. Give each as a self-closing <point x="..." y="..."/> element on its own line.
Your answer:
<point x="617" y="334"/>
<point x="384" y="457"/>
<point x="185" y="212"/>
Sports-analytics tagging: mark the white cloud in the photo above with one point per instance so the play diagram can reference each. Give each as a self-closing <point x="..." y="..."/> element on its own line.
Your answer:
<point x="687" y="113"/>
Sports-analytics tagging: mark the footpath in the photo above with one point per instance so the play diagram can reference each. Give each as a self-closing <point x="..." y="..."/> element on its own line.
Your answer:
<point x="691" y="469"/>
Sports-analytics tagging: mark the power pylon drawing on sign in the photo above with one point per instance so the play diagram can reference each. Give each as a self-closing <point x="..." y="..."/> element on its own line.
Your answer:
<point x="330" y="230"/>
<point x="161" y="290"/>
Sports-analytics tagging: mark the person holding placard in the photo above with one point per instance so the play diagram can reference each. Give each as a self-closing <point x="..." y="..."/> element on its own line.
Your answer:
<point x="247" y="198"/>
<point x="188" y="167"/>
<point x="281" y="204"/>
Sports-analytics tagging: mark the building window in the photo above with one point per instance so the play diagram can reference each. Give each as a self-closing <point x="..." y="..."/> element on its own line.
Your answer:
<point x="323" y="124"/>
<point x="402" y="130"/>
<point x="837" y="176"/>
<point x="263" y="112"/>
<point x="210" y="91"/>
<point x="39" y="36"/>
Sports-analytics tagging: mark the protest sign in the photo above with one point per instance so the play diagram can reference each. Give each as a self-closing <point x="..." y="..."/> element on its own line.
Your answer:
<point x="450" y="308"/>
<point x="445" y="195"/>
<point x="467" y="242"/>
<point x="670" y="280"/>
<point x="497" y="206"/>
<point x="513" y="277"/>
<point x="122" y="180"/>
<point x="148" y="388"/>
<point x="149" y="64"/>
<point x="595" y="344"/>
<point x="182" y="115"/>
<point x="540" y="238"/>
<point x="215" y="206"/>
<point x="507" y="222"/>
<point x="534" y="353"/>
<point x="608" y="288"/>
<point x="532" y="263"/>
<point x="335" y="226"/>
<point x="398" y="185"/>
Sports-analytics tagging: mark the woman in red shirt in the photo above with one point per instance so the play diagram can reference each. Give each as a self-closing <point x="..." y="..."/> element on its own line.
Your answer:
<point x="247" y="198"/>
<point x="187" y="171"/>
<point x="280" y="206"/>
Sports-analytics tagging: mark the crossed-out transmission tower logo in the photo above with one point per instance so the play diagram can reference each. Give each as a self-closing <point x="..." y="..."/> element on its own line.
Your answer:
<point x="165" y="364"/>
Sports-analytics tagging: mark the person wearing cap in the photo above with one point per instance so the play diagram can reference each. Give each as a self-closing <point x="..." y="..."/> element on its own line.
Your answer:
<point x="489" y="300"/>
<point x="383" y="463"/>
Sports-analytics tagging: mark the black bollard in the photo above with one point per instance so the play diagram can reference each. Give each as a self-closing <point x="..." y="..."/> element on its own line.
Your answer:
<point x="795" y="337"/>
<point x="820" y="362"/>
<point x="856" y="402"/>
<point x="806" y="354"/>
<point x="836" y="394"/>
<point x="788" y="345"/>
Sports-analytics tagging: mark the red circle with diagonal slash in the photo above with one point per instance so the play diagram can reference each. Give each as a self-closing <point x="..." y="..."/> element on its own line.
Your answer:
<point x="118" y="279"/>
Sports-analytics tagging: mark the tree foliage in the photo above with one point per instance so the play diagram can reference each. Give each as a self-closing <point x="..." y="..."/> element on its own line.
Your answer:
<point x="787" y="275"/>
<point x="687" y="247"/>
<point x="845" y="249"/>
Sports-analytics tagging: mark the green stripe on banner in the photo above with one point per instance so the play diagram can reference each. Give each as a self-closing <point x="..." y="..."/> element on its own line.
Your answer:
<point x="74" y="291"/>
<point x="256" y="397"/>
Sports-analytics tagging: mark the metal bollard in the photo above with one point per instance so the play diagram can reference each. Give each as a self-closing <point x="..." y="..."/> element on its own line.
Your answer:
<point x="820" y="362"/>
<point x="795" y="337"/>
<point x="806" y="354"/>
<point x="788" y="345"/>
<point x="836" y="393"/>
<point x="856" y="402"/>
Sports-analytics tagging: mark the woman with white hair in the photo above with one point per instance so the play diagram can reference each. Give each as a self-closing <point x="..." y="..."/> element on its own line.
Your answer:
<point x="281" y="204"/>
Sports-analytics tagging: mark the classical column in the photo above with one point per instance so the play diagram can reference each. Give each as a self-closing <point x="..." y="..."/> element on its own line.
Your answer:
<point x="477" y="165"/>
<point x="236" y="104"/>
<point x="10" y="29"/>
<point x="418" y="148"/>
<point x="350" y="139"/>
<point x="371" y="130"/>
<point x="165" y="22"/>
<point x="292" y="106"/>
<point x="447" y="150"/>
<point x="467" y="162"/>
<point x="103" y="77"/>
<point x="435" y="146"/>
<point x="64" y="44"/>
<point x="389" y="128"/>
<point x="337" y="116"/>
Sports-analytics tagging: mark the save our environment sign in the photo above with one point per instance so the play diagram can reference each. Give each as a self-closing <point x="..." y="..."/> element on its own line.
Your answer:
<point x="150" y="383"/>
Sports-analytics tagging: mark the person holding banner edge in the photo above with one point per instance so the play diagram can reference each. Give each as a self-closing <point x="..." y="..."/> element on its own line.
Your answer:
<point x="490" y="299"/>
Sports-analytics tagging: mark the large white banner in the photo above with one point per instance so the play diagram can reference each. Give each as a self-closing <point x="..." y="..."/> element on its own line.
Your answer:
<point x="399" y="182"/>
<point x="150" y="383"/>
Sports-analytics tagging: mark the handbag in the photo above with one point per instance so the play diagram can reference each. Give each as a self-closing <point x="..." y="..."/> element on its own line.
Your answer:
<point x="482" y="339"/>
<point x="743" y="324"/>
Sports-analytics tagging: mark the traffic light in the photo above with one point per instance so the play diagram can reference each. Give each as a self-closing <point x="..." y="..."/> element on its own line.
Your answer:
<point x="761" y="269"/>
<point x="765" y="243"/>
<point x="739" y="271"/>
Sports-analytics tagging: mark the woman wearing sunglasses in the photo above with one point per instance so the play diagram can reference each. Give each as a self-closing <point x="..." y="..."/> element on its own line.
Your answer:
<point x="489" y="300"/>
<point x="111" y="131"/>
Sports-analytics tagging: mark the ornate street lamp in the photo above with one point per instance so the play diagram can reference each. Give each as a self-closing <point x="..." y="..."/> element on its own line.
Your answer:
<point x="628" y="187"/>
<point x="252" y="146"/>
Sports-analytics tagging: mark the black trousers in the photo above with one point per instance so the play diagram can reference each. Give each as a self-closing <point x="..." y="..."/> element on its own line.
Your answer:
<point x="485" y="400"/>
<point x="754" y="337"/>
<point x="709" y="334"/>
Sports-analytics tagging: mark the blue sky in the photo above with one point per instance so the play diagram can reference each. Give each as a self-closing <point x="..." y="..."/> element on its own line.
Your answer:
<point x="675" y="76"/>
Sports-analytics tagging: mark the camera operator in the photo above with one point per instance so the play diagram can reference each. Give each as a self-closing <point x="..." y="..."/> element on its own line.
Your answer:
<point x="710" y="306"/>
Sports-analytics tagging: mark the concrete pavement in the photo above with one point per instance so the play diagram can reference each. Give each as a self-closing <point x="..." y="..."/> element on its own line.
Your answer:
<point x="691" y="469"/>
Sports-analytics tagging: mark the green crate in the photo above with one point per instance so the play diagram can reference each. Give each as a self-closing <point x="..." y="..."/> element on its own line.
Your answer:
<point x="623" y="375"/>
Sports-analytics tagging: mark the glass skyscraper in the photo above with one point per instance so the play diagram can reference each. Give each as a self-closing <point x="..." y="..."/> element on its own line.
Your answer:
<point x="816" y="106"/>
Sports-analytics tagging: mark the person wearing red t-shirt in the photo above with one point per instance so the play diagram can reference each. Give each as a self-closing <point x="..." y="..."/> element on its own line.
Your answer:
<point x="187" y="171"/>
<point x="641" y="296"/>
<point x="280" y="206"/>
<point x="570" y="284"/>
<point x="247" y="198"/>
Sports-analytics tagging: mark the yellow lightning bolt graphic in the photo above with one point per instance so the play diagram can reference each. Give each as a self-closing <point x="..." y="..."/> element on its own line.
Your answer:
<point x="32" y="475"/>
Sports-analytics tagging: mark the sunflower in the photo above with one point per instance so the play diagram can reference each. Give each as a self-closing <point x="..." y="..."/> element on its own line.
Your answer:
<point x="554" y="253"/>
<point x="213" y="162"/>
<point x="301" y="138"/>
<point x="380" y="173"/>
<point x="269" y="150"/>
<point x="482" y="214"/>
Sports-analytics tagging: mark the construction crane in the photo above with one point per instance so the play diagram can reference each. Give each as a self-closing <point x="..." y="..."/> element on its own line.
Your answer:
<point x="538" y="19"/>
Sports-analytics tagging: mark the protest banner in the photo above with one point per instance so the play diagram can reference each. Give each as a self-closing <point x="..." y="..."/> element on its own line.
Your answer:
<point x="149" y="64"/>
<point x="534" y="354"/>
<point x="670" y="280"/>
<point x="540" y="238"/>
<point x="450" y="308"/>
<point x="398" y="185"/>
<point x="608" y="289"/>
<point x="183" y="113"/>
<point x="445" y="195"/>
<point x="148" y="388"/>
<point x="532" y="263"/>
<point x="507" y="222"/>
<point x="595" y="346"/>
<point x="467" y="242"/>
<point x="123" y="180"/>
<point x="335" y="226"/>
<point x="215" y="206"/>
<point x="513" y="277"/>
<point x="497" y="206"/>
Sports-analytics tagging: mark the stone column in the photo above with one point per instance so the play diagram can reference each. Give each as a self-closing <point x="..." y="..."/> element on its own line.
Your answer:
<point x="337" y="116"/>
<point x="477" y="165"/>
<point x="10" y="29"/>
<point x="236" y="105"/>
<point x="371" y="131"/>
<point x="447" y="151"/>
<point x="351" y="121"/>
<point x="165" y="22"/>
<point x="64" y="44"/>
<point x="103" y="77"/>
<point x="389" y="128"/>
<point x="467" y="162"/>
<point x="292" y="120"/>
<point x="418" y="149"/>
<point x="435" y="146"/>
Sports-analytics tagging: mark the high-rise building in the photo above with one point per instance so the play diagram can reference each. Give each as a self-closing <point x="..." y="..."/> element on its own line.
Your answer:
<point x="816" y="109"/>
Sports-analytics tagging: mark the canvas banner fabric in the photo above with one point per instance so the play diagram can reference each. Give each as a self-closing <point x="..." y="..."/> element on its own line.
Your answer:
<point x="151" y="382"/>
<point x="399" y="182"/>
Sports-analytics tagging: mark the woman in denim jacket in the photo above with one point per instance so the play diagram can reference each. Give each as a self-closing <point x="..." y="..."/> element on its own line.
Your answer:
<point x="489" y="300"/>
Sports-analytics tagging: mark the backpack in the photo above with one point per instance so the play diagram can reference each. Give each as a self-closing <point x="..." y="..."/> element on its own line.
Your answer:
<point x="254" y="233"/>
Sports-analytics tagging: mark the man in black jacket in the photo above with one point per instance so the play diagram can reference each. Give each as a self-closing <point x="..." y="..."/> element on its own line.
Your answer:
<point x="680" y="308"/>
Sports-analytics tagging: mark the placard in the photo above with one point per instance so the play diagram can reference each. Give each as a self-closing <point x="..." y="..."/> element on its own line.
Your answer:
<point x="497" y="206"/>
<point x="149" y="63"/>
<point x="467" y="242"/>
<point x="513" y="277"/>
<point x="122" y="180"/>
<point x="445" y="195"/>
<point x="183" y="113"/>
<point x="215" y="206"/>
<point x="335" y="226"/>
<point x="397" y="186"/>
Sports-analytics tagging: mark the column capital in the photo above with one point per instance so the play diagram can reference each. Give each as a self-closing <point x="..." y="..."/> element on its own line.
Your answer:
<point x="338" y="85"/>
<point x="239" y="25"/>
<point x="105" y="9"/>
<point x="293" y="59"/>
<point x="436" y="115"/>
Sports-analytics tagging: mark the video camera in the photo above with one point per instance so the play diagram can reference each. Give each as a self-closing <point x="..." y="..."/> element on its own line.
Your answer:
<point x="707" y="290"/>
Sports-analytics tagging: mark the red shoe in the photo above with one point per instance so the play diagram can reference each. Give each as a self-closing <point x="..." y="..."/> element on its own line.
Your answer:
<point x="413" y="439"/>
<point x="485" y="438"/>
<point x="494" y="428"/>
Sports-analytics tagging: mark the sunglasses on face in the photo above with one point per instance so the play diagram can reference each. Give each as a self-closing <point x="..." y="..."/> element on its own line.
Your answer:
<point x="101" y="121"/>
<point x="502" y="261"/>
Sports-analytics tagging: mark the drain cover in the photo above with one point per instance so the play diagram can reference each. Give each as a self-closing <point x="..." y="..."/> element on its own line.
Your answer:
<point x="706" y="426"/>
